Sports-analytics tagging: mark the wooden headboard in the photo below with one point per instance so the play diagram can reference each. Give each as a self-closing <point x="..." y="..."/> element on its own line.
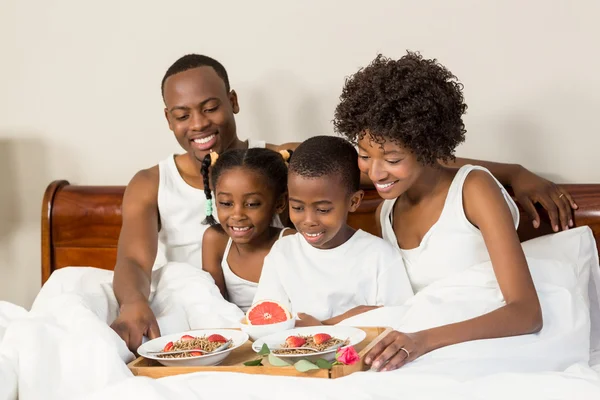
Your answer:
<point x="81" y="224"/>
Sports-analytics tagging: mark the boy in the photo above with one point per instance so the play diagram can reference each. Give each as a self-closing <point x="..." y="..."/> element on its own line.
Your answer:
<point x="328" y="271"/>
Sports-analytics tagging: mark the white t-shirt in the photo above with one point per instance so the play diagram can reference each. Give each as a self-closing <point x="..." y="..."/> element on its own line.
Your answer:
<point x="366" y="270"/>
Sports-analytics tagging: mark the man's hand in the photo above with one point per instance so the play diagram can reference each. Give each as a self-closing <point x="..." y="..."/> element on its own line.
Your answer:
<point x="135" y="321"/>
<point x="530" y="189"/>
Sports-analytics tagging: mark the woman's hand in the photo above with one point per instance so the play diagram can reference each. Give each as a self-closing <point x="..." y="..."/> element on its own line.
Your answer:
<point x="395" y="350"/>
<point x="530" y="189"/>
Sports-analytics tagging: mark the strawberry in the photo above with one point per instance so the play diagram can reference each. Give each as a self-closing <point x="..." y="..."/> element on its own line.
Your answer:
<point x="185" y="338"/>
<point x="216" y="338"/>
<point x="295" y="341"/>
<point x="194" y="353"/>
<point x="168" y="346"/>
<point x="321" y="338"/>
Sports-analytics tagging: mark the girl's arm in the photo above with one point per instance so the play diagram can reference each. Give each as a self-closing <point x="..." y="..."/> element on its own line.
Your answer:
<point x="214" y="243"/>
<point x="485" y="208"/>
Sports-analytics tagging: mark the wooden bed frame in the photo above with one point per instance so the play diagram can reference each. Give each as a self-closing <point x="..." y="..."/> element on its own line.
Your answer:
<point x="81" y="224"/>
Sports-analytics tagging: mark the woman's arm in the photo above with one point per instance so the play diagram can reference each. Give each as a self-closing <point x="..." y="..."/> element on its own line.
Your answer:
<point x="485" y="208"/>
<point x="214" y="243"/>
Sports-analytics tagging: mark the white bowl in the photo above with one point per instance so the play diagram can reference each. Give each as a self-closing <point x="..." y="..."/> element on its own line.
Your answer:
<point x="238" y="338"/>
<point x="258" y="331"/>
<point x="274" y="341"/>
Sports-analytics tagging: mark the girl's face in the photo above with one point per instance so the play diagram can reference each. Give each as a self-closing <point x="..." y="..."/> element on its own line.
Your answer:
<point x="246" y="204"/>
<point x="392" y="168"/>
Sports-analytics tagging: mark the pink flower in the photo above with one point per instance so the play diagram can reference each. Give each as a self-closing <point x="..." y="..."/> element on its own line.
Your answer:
<point x="347" y="355"/>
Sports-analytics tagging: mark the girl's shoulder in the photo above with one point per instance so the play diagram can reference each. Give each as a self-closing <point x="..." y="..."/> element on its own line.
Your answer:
<point x="215" y="239"/>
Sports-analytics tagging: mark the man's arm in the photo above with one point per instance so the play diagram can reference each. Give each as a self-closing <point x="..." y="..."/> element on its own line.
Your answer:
<point x="136" y="253"/>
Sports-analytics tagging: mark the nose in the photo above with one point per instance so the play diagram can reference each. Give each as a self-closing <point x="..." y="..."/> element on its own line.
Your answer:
<point x="238" y="212"/>
<point x="199" y="121"/>
<point x="377" y="171"/>
<point x="309" y="218"/>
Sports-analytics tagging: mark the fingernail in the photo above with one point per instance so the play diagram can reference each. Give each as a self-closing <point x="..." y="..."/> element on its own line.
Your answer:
<point x="555" y="228"/>
<point x="571" y="223"/>
<point x="536" y="224"/>
<point x="376" y="365"/>
<point x="368" y="360"/>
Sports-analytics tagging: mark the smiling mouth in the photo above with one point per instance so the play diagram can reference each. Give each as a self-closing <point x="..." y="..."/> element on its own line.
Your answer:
<point x="204" y="140"/>
<point x="313" y="237"/>
<point x="385" y="186"/>
<point x="240" y="228"/>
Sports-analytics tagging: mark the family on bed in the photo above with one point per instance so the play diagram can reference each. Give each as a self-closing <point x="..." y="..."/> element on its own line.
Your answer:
<point x="282" y="209"/>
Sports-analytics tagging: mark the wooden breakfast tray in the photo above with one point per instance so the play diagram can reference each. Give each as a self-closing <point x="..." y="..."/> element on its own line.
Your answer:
<point x="235" y="362"/>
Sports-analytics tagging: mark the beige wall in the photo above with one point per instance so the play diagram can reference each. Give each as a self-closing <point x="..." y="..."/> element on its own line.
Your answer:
<point x="80" y="98"/>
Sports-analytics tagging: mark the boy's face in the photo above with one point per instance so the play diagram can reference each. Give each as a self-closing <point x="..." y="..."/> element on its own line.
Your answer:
<point x="392" y="168"/>
<point x="200" y="112"/>
<point x="245" y="204"/>
<point x="319" y="209"/>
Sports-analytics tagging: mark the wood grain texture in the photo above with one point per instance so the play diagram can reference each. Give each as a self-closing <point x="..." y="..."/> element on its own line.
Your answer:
<point x="81" y="224"/>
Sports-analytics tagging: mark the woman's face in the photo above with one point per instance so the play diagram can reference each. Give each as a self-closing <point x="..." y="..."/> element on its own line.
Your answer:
<point x="392" y="168"/>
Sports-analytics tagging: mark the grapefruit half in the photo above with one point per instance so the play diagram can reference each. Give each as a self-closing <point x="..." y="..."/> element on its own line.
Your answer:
<point x="267" y="312"/>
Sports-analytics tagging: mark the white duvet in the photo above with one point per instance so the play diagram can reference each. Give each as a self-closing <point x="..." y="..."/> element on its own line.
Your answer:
<point x="63" y="348"/>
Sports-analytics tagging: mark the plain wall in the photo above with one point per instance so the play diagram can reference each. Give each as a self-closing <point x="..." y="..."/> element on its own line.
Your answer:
<point x="80" y="85"/>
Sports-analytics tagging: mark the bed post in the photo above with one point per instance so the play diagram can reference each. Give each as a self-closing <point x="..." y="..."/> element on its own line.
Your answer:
<point x="47" y="203"/>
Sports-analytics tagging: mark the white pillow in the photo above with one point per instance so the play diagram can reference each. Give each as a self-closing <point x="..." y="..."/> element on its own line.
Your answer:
<point x="575" y="247"/>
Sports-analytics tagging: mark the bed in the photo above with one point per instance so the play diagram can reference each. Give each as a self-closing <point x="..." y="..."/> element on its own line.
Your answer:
<point x="74" y="309"/>
<point x="81" y="224"/>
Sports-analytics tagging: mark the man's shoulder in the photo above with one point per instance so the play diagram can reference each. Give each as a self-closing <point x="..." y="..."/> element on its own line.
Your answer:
<point x="144" y="183"/>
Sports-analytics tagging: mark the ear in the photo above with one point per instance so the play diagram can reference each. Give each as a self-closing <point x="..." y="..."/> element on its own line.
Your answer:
<point x="281" y="203"/>
<point x="234" y="102"/>
<point x="168" y="119"/>
<point x="355" y="200"/>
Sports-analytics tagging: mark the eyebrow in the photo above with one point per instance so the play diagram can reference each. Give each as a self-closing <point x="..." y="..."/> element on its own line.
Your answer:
<point x="187" y="108"/>
<point x="392" y="152"/>
<point x="316" y="202"/>
<point x="245" y="194"/>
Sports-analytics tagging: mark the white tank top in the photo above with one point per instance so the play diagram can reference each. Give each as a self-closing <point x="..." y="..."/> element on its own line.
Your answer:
<point x="452" y="244"/>
<point x="240" y="291"/>
<point x="182" y="210"/>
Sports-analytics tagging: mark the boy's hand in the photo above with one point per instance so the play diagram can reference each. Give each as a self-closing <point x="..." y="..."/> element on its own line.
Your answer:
<point x="357" y="310"/>
<point x="307" y="320"/>
<point x="136" y="320"/>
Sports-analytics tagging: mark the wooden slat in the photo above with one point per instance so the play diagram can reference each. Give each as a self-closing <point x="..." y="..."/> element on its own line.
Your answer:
<point x="99" y="257"/>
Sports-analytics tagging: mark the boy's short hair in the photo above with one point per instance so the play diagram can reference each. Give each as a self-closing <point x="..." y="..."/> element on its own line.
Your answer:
<point x="327" y="156"/>
<point x="190" y="61"/>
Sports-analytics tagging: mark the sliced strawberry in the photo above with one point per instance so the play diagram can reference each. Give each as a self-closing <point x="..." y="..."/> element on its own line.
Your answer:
<point x="168" y="346"/>
<point x="194" y="353"/>
<point x="321" y="338"/>
<point x="185" y="338"/>
<point x="295" y="341"/>
<point x="216" y="338"/>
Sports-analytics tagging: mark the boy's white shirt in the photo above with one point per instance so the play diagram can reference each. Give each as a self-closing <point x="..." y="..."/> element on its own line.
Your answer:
<point x="366" y="270"/>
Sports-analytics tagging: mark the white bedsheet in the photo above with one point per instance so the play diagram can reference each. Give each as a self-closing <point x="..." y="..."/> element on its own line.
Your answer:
<point x="63" y="348"/>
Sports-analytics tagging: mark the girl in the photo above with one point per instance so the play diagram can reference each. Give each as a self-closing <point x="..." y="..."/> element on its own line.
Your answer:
<point x="405" y="116"/>
<point x="250" y="187"/>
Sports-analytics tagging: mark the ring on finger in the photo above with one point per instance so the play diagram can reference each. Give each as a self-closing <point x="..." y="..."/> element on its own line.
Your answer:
<point x="561" y="195"/>
<point x="406" y="351"/>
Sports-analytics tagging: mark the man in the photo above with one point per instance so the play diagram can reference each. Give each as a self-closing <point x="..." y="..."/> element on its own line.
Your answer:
<point x="163" y="205"/>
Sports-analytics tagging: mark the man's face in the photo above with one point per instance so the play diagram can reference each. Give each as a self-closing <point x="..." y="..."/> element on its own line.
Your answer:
<point x="200" y="112"/>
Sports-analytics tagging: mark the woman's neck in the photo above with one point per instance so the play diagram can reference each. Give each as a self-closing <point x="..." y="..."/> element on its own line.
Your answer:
<point x="427" y="184"/>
